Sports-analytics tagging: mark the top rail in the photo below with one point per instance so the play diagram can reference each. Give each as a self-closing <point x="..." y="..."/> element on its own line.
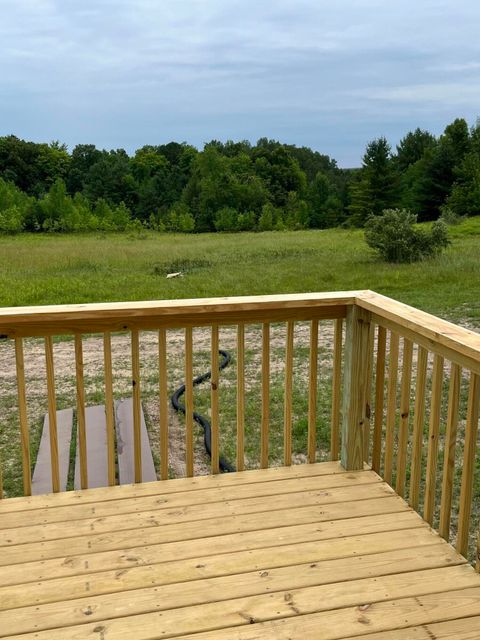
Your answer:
<point x="455" y="343"/>
<point x="449" y="340"/>
<point x="120" y="316"/>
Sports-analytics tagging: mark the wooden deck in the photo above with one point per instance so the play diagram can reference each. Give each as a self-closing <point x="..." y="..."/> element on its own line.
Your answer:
<point x="308" y="552"/>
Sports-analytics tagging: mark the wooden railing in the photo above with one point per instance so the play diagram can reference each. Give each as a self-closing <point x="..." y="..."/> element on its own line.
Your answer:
<point x="424" y="393"/>
<point x="19" y="326"/>
<point x="403" y="387"/>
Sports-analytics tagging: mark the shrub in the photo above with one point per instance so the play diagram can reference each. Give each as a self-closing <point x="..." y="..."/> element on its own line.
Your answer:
<point x="11" y="220"/>
<point x="449" y="216"/>
<point x="180" y="219"/>
<point x="226" y="219"/>
<point x="397" y="238"/>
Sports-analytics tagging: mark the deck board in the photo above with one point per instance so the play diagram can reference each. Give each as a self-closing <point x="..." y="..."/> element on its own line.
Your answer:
<point x="310" y="553"/>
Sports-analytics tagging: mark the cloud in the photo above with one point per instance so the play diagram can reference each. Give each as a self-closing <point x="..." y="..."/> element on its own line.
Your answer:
<point x="122" y="73"/>
<point x="453" y="94"/>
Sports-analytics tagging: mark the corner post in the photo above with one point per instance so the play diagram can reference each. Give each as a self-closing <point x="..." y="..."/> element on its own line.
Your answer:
<point x="355" y="387"/>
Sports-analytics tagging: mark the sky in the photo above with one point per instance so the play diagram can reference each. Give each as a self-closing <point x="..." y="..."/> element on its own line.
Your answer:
<point x="328" y="74"/>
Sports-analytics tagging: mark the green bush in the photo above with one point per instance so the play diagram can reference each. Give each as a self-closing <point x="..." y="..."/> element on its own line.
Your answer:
<point x="11" y="220"/>
<point x="397" y="238"/>
<point x="449" y="216"/>
<point x="226" y="219"/>
<point x="180" y="219"/>
<point x="15" y="207"/>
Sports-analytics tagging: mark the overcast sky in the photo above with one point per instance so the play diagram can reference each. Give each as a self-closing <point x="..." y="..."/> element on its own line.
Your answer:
<point x="329" y="74"/>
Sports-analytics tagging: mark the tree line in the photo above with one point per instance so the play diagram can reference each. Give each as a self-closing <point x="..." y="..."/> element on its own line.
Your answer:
<point x="234" y="186"/>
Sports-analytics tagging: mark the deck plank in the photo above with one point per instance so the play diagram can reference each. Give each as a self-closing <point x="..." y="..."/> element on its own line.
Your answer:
<point x="368" y="516"/>
<point x="121" y="559"/>
<point x="398" y="601"/>
<point x="460" y="629"/>
<point x="200" y="498"/>
<point x="42" y="474"/>
<point x="280" y="594"/>
<point x="294" y="524"/>
<point x="323" y="627"/>
<point x="177" y="571"/>
<point x="177" y="485"/>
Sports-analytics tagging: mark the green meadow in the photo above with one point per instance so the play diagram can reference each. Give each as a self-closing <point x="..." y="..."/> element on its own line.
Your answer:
<point x="55" y="269"/>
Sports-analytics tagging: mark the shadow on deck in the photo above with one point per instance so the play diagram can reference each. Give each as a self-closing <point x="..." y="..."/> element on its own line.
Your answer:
<point x="309" y="551"/>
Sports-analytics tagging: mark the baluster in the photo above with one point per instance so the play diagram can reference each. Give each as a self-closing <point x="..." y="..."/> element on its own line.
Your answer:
<point x="265" y="395"/>
<point x="418" y="420"/>
<point x="52" y="414"/>
<point x="477" y="563"/>
<point x="449" y="450"/>
<point x="137" y="443"/>
<point x="287" y="424"/>
<point x="189" y="401"/>
<point x="368" y="393"/>
<point x="163" y="397"/>
<point x="82" y="438"/>
<point x="109" y="408"/>
<point x="336" y="390"/>
<point x="240" y="397"/>
<point x="471" y="430"/>
<point x="433" y="433"/>
<point x="312" y="392"/>
<point x="214" y="402"/>
<point x="391" y="406"/>
<point x="379" y="398"/>
<point x="404" y="416"/>
<point x="22" y="413"/>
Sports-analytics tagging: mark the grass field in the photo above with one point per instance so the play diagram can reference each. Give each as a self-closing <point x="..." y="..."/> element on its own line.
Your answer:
<point x="47" y="269"/>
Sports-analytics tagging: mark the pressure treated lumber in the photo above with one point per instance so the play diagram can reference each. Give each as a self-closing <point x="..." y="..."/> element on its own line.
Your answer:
<point x="297" y="525"/>
<point x="418" y="426"/>
<point x="23" y="418"/>
<point x="469" y="456"/>
<point x="449" y="456"/>
<point x="122" y="316"/>
<point x="226" y="595"/>
<point x="433" y="437"/>
<point x="240" y="397"/>
<point x="182" y="507"/>
<point x="336" y="390"/>
<point x="322" y="552"/>
<point x="379" y="399"/>
<point x="312" y="394"/>
<point x="391" y="406"/>
<point x="448" y="340"/>
<point x="177" y="485"/>
<point x="355" y="385"/>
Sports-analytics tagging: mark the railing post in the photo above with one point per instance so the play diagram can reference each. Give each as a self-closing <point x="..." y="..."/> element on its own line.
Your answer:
<point x="355" y="387"/>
